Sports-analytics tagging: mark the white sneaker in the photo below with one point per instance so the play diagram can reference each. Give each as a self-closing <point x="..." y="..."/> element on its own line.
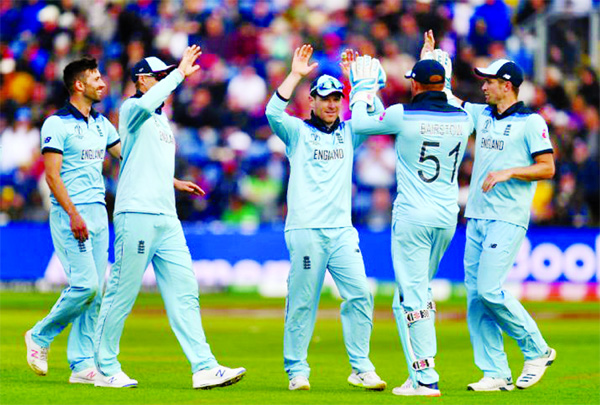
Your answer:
<point x="368" y="380"/>
<point x="425" y="390"/>
<point x="87" y="376"/>
<point x="119" y="380"/>
<point x="533" y="370"/>
<point x="37" y="356"/>
<point x="492" y="384"/>
<point x="299" y="383"/>
<point x="219" y="376"/>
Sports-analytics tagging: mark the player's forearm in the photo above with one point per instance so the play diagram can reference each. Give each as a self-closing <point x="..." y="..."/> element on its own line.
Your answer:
<point x="161" y="91"/>
<point x="537" y="171"/>
<point x="365" y="124"/>
<point x="60" y="192"/>
<point x="286" y="89"/>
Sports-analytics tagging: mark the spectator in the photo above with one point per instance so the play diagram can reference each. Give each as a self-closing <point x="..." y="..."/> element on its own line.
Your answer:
<point x="246" y="52"/>
<point x="20" y="143"/>
<point x="247" y="91"/>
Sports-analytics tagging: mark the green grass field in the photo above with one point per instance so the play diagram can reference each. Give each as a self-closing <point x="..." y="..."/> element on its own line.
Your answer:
<point x="247" y="330"/>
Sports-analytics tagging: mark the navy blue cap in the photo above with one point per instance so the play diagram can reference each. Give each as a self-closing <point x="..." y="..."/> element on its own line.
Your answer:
<point x="150" y="66"/>
<point x="427" y="71"/>
<point x="502" y="69"/>
<point x="324" y="85"/>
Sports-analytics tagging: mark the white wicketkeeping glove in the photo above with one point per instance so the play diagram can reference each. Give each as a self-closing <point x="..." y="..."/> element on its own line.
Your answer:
<point x="364" y="79"/>
<point x="444" y="59"/>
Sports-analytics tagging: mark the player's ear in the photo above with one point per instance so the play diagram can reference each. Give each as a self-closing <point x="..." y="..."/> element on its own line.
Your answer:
<point x="79" y="85"/>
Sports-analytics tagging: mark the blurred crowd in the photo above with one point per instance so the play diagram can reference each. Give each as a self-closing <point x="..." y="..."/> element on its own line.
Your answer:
<point x="224" y="143"/>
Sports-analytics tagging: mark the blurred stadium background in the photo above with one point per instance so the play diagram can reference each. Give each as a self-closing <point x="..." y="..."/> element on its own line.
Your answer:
<point x="225" y="145"/>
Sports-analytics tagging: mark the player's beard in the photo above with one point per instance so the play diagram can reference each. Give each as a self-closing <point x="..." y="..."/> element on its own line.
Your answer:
<point x="93" y="95"/>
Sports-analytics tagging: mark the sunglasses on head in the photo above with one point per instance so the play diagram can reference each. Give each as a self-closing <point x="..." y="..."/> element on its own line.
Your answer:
<point x="327" y="83"/>
<point x="158" y="75"/>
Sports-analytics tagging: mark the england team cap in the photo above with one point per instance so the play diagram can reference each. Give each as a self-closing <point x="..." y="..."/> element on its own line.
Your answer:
<point x="427" y="71"/>
<point x="149" y="66"/>
<point x="325" y="85"/>
<point x="502" y="69"/>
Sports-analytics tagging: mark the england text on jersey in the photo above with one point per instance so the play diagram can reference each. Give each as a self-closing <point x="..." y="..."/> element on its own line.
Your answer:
<point x="489" y="143"/>
<point x="326" y="154"/>
<point x="92" y="154"/>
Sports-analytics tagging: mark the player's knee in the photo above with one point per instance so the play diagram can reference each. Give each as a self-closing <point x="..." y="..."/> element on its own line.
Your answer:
<point x="86" y="293"/>
<point x="490" y="297"/>
<point x="361" y="296"/>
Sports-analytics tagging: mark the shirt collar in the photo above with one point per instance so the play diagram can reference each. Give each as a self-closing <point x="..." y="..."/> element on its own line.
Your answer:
<point x="320" y="124"/>
<point x="77" y="114"/>
<point x="511" y="110"/>
<point x="430" y="96"/>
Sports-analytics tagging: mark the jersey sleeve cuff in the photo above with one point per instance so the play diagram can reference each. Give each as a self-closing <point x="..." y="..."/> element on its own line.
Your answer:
<point x="48" y="149"/>
<point x="113" y="144"/>
<point x="286" y="100"/>
<point x="541" y="152"/>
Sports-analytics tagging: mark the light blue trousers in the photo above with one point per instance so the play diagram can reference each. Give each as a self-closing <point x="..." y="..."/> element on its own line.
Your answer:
<point x="141" y="239"/>
<point x="416" y="254"/>
<point x="312" y="251"/>
<point x="85" y="265"/>
<point x="490" y="252"/>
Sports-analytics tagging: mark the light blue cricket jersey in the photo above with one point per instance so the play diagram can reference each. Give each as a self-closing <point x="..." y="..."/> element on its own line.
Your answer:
<point x="83" y="143"/>
<point x="512" y="139"/>
<point x="431" y="138"/>
<point x="320" y="186"/>
<point x="148" y="152"/>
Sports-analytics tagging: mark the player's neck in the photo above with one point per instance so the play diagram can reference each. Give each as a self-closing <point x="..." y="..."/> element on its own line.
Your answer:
<point x="82" y="104"/>
<point x="506" y="103"/>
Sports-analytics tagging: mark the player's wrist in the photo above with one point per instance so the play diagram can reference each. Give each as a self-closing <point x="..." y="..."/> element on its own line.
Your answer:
<point x="296" y="75"/>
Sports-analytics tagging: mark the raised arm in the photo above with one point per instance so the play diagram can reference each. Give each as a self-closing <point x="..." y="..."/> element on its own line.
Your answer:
<point x="300" y="68"/>
<point x="153" y="98"/>
<point x="428" y="43"/>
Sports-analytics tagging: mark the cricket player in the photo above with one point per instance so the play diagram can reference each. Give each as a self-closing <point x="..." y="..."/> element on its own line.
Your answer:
<point x="512" y="151"/>
<point x="431" y="137"/>
<point x="147" y="230"/>
<point x="74" y="143"/>
<point x="318" y="231"/>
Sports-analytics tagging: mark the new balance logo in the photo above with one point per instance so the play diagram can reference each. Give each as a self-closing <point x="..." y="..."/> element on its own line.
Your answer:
<point x="306" y="262"/>
<point x="141" y="247"/>
<point x="81" y="245"/>
<point x="91" y="375"/>
<point x="220" y="372"/>
<point x="507" y="130"/>
<point x="111" y="380"/>
<point x="34" y="354"/>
